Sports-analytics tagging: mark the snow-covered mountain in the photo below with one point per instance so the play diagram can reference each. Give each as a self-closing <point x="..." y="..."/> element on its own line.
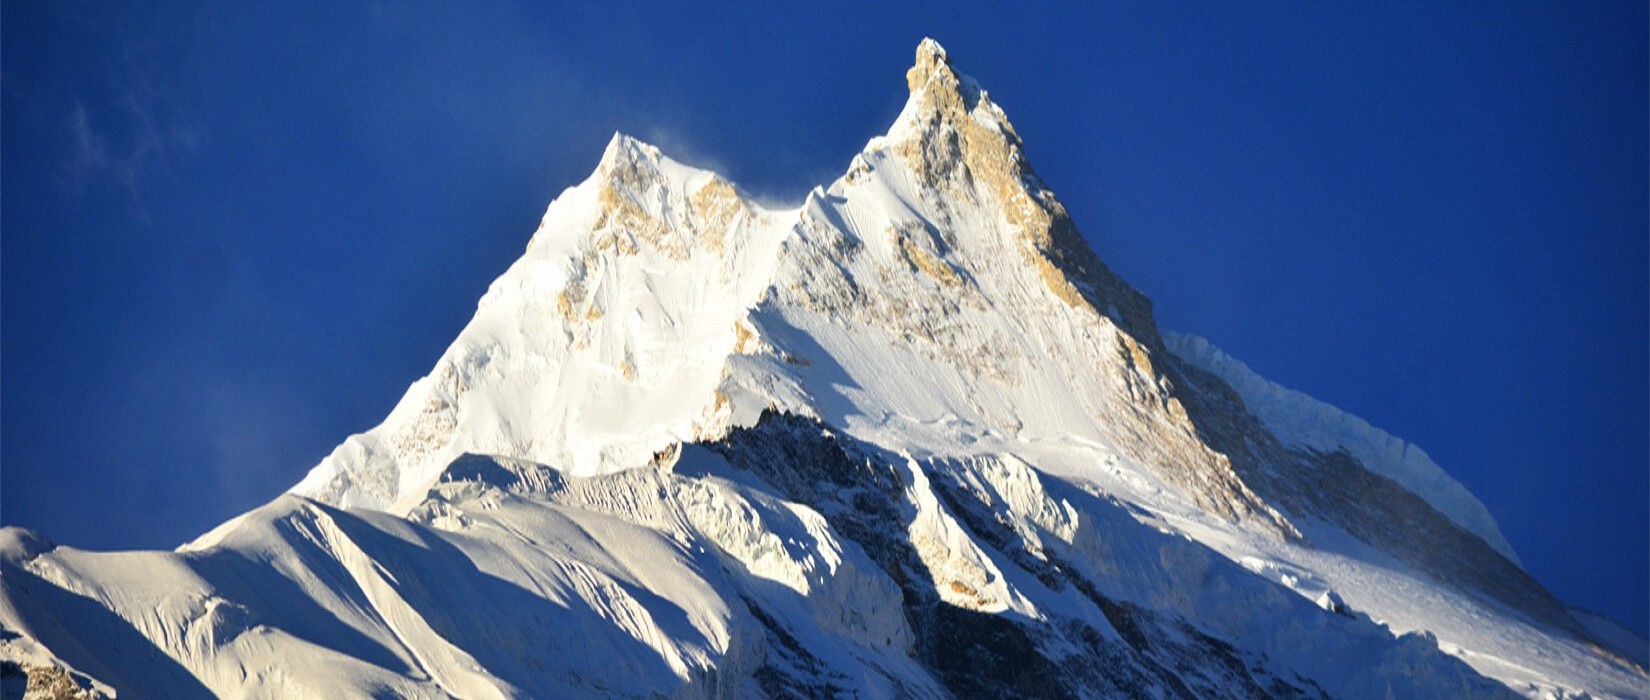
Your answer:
<point x="911" y="438"/>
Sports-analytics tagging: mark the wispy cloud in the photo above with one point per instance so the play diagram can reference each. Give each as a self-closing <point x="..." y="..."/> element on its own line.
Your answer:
<point x="258" y="435"/>
<point x="683" y="149"/>
<point x="88" y="153"/>
<point x="136" y="135"/>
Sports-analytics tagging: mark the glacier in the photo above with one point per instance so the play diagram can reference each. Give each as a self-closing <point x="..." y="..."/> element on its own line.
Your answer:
<point x="909" y="438"/>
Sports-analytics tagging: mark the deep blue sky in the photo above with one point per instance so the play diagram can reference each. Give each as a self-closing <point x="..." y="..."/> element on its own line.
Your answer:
<point x="231" y="236"/>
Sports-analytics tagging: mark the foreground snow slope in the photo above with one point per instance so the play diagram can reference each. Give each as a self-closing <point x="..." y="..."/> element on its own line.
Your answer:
<point x="911" y="438"/>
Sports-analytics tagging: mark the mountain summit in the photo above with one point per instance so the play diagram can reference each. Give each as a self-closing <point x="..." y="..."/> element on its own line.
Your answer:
<point x="910" y="438"/>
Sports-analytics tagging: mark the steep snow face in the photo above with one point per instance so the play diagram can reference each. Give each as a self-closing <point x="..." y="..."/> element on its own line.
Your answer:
<point x="937" y="300"/>
<point x="601" y="347"/>
<point x="1302" y="421"/>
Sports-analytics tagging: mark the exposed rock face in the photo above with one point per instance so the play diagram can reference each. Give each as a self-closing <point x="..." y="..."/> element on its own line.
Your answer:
<point x="44" y="682"/>
<point x="951" y="144"/>
<point x="910" y="439"/>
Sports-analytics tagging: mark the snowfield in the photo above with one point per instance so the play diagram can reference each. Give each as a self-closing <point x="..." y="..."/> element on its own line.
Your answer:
<point x="909" y="439"/>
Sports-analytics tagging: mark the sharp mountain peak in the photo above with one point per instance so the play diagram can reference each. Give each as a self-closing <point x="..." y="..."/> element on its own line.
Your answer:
<point x="912" y="438"/>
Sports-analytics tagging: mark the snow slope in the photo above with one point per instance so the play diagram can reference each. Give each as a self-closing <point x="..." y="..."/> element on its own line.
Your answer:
<point x="911" y="438"/>
<point x="1301" y="420"/>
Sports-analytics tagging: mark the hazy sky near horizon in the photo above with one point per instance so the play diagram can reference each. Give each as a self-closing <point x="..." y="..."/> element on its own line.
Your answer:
<point x="232" y="235"/>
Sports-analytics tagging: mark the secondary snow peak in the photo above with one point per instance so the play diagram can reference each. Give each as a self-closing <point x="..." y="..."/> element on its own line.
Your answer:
<point x="625" y="150"/>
